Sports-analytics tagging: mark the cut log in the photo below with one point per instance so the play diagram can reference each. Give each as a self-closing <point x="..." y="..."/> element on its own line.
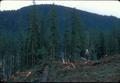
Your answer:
<point x="67" y="68"/>
<point x="73" y="65"/>
<point x="28" y="74"/>
<point x="69" y="65"/>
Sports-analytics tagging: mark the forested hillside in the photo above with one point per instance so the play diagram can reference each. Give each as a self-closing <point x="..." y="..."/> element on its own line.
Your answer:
<point x="10" y="19"/>
<point x="41" y="35"/>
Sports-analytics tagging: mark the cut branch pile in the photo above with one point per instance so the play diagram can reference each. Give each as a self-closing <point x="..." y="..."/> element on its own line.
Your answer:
<point x="20" y="74"/>
<point x="68" y="66"/>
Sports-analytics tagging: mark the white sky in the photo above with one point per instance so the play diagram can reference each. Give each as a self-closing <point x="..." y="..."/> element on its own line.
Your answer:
<point x="99" y="7"/>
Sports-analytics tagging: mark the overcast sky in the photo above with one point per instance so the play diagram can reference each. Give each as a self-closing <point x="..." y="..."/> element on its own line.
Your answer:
<point x="99" y="7"/>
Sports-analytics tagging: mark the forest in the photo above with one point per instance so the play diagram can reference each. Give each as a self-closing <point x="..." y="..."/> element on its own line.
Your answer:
<point x="41" y="35"/>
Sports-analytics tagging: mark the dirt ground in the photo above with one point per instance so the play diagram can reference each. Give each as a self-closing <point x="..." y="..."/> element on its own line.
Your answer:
<point x="105" y="70"/>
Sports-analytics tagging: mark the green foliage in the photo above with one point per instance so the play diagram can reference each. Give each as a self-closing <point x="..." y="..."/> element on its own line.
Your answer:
<point x="100" y="46"/>
<point x="42" y="55"/>
<point x="53" y="39"/>
<point x="44" y="41"/>
<point x="67" y="39"/>
<point x="32" y="43"/>
<point x="76" y="35"/>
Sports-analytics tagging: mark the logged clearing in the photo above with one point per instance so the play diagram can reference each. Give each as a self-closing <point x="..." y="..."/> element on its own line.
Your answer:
<point x="104" y="70"/>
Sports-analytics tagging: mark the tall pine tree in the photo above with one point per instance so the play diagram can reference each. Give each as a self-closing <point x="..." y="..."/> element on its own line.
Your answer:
<point x="53" y="39"/>
<point x="77" y="39"/>
<point x="33" y="40"/>
<point x="67" y="38"/>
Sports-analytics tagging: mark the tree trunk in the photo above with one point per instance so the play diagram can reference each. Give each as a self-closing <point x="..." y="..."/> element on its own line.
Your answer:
<point x="3" y="67"/>
<point x="63" y="60"/>
<point x="65" y="53"/>
<point x="51" y="53"/>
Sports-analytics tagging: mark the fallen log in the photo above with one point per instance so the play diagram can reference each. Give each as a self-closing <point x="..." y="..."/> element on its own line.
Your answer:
<point x="67" y="68"/>
<point x="28" y="74"/>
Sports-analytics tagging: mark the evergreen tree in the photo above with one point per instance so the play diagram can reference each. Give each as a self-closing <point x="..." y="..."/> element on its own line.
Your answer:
<point x="53" y="39"/>
<point x="33" y="40"/>
<point x="90" y="44"/>
<point x="113" y="44"/>
<point x="67" y="39"/>
<point x="77" y="39"/>
<point x="8" y="51"/>
<point x="100" y="47"/>
<point x="117" y="35"/>
<point x="20" y="39"/>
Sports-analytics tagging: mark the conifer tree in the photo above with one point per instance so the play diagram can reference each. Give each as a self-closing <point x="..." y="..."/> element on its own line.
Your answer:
<point x="33" y="39"/>
<point x="77" y="39"/>
<point x="53" y="39"/>
<point x="67" y="39"/>
<point x="100" y="46"/>
<point x="113" y="42"/>
<point x="20" y="43"/>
